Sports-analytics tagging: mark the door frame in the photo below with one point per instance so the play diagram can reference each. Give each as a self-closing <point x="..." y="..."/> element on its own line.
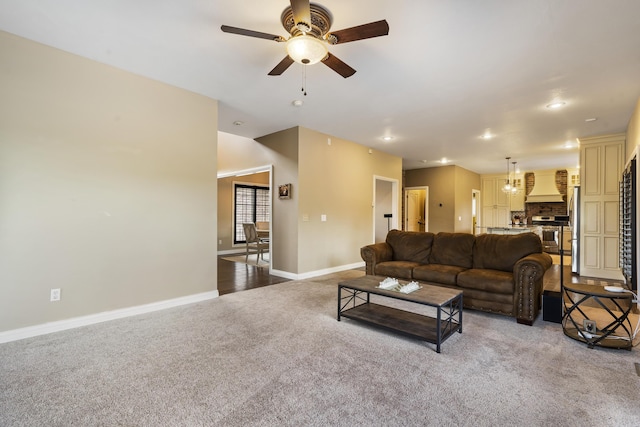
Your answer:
<point x="477" y="195"/>
<point x="394" y="203"/>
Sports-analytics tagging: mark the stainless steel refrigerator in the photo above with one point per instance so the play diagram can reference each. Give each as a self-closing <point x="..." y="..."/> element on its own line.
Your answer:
<point x="574" y="221"/>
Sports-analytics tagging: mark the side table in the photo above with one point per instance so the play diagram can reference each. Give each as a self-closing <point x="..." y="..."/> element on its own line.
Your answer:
<point x="597" y="317"/>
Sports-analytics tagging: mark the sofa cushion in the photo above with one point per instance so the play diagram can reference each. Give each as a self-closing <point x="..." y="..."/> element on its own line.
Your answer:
<point x="500" y="282"/>
<point x="501" y="252"/>
<point x="453" y="249"/>
<point x="411" y="246"/>
<point x="397" y="269"/>
<point x="438" y="273"/>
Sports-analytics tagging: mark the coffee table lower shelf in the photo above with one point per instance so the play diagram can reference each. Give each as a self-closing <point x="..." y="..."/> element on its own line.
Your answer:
<point x="405" y="322"/>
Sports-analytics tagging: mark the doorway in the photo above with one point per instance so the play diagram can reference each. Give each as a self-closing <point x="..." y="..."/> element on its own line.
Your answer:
<point x="250" y="205"/>
<point x="385" y="207"/>
<point x="475" y="211"/>
<point x="416" y="211"/>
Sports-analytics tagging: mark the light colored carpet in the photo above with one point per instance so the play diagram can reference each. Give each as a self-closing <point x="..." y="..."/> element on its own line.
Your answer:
<point x="277" y="356"/>
<point x="251" y="260"/>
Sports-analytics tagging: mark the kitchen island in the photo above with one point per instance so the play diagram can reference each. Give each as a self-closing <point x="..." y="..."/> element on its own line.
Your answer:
<point x="514" y="229"/>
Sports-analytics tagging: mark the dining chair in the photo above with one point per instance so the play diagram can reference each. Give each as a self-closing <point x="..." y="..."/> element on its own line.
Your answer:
<point x="254" y="242"/>
<point x="263" y="230"/>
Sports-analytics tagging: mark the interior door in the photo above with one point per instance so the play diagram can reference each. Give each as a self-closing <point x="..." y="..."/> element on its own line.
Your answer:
<point x="416" y="209"/>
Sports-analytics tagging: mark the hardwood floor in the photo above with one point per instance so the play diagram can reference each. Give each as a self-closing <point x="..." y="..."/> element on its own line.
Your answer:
<point x="552" y="278"/>
<point x="236" y="276"/>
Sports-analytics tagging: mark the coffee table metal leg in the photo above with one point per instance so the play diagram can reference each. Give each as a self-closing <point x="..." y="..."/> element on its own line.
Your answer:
<point x="460" y="314"/>
<point x="438" y="330"/>
<point x="352" y="298"/>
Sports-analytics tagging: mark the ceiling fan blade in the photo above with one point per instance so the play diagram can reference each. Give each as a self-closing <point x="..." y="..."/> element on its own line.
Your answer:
<point x="251" y="33"/>
<point x="365" y="31"/>
<point x="301" y="11"/>
<point x="282" y="66"/>
<point x="338" y="66"/>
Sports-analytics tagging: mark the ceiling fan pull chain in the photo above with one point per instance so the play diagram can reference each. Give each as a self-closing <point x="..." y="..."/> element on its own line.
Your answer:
<point x="304" y="79"/>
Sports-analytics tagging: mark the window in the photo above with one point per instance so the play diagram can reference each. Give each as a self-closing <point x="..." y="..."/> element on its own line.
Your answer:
<point x="251" y="204"/>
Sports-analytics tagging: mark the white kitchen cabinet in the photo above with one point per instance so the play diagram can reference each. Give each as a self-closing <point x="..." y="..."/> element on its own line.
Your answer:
<point x="498" y="216"/>
<point x="601" y="166"/>
<point x="496" y="211"/>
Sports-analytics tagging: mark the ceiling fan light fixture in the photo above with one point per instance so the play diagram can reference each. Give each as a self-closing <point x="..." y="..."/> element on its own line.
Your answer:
<point x="306" y="50"/>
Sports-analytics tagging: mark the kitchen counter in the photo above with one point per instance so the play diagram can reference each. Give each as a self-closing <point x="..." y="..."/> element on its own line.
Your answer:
<point x="514" y="229"/>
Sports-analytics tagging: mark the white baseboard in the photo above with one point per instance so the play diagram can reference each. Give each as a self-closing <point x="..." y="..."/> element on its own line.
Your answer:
<point x="316" y="273"/>
<point x="76" y="322"/>
<point x="237" y="251"/>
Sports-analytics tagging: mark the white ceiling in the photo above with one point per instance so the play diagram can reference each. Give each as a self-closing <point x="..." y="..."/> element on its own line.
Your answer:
<point x="447" y="72"/>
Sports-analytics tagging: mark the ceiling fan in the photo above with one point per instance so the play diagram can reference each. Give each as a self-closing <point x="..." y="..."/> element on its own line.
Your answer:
<point x="308" y="25"/>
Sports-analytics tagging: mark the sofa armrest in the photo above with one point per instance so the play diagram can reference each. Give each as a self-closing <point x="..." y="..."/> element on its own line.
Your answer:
<point x="528" y="273"/>
<point x="373" y="254"/>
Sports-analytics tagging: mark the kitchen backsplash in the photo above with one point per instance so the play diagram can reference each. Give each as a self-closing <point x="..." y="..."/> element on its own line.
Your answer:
<point x="518" y="217"/>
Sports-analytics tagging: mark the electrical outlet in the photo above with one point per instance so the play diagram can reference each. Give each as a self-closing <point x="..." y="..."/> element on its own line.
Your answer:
<point x="589" y="326"/>
<point x="55" y="294"/>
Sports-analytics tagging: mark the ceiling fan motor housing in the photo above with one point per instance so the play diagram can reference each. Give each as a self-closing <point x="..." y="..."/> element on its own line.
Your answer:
<point x="320" y="24"/>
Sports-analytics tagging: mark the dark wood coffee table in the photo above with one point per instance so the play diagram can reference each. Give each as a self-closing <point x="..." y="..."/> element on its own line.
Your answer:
<point x="356" y="304"/>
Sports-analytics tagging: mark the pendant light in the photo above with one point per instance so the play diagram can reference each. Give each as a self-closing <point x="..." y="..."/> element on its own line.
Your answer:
<point x="509" y="187"/>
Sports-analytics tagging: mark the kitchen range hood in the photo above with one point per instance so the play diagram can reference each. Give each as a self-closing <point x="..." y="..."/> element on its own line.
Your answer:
<point x="544" y="189"/>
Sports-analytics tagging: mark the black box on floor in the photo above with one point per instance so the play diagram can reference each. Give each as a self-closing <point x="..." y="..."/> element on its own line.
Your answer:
<point x="552" y="306"/>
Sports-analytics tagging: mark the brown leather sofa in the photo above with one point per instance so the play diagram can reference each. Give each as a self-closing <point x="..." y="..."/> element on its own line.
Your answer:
<point x="497" y="273"/>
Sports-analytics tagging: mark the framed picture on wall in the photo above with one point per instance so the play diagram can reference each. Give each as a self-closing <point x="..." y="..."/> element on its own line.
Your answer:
<point x="284" y="191"/>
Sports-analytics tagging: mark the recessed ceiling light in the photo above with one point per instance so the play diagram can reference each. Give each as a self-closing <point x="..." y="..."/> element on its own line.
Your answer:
<point x="592" y="119"/>
<point x="238" y="123"/>
<point x="572" y="144"/>
<point x="556" y="105"/>
<point x="387" y="138"/>
<point x="487" y="134"/>
<point x="444" y="160"/>
<point x="297" y="103"/>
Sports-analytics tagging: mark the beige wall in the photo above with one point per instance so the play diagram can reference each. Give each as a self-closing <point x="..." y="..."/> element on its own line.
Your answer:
<point x="283" y="149"/>
<point x="337" y="180"/>
<point x="237" y="153"/>
<point x="449" y="196"/>
<point x="633" y="132"/>
<point x="466" y="181"/>
<point x="107" y="187"/>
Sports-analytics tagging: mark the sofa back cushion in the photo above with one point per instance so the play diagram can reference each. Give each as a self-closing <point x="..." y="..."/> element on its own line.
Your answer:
<point x="502" y="251"/>
<point x="412" y="246"/>
<point x="453" y="249"/>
